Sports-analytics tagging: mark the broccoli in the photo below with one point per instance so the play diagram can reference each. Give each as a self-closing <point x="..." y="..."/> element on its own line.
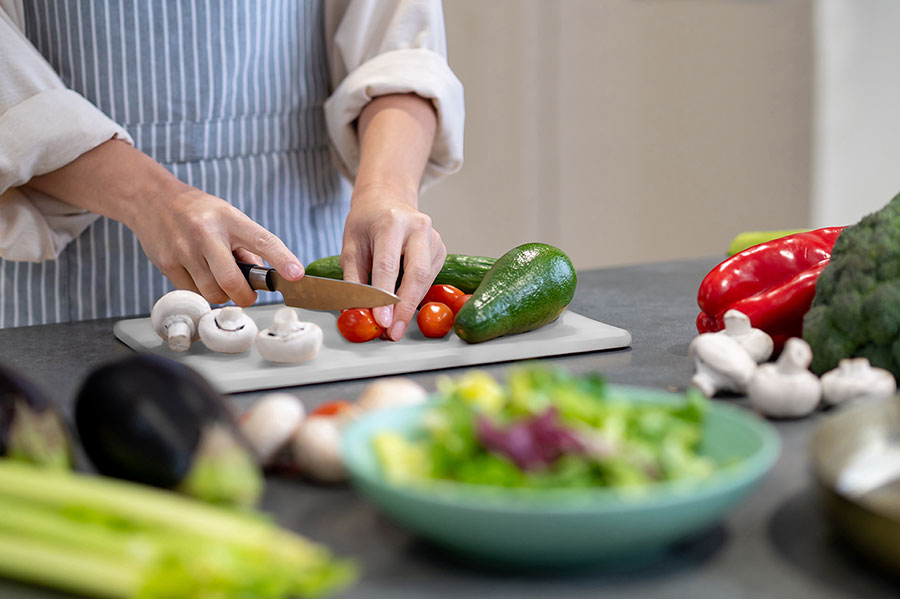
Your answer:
<point x="856" y="309"/>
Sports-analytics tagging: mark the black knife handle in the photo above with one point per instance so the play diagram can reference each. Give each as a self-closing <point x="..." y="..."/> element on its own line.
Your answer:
<point x="259" y="277"/>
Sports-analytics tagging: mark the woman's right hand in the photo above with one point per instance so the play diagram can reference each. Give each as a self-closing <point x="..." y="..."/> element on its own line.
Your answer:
<point x="192" y="237"/>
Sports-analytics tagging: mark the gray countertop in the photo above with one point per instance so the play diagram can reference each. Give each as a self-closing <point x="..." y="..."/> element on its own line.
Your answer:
<point x="775" y="544"/>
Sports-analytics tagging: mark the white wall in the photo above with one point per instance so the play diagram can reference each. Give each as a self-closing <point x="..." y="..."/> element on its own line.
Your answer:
<point x="856" y="156"/>
<point x="628" y="130"/>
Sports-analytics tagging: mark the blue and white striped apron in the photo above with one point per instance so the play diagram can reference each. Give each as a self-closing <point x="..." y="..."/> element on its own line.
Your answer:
<point x="226" y="94"/>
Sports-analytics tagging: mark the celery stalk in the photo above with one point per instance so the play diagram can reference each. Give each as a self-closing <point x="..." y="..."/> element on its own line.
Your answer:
<point x="172" y="546"/>
<point x="85" y="574"/>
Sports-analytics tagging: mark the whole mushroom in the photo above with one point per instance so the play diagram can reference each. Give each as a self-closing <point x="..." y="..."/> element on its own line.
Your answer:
<point x="227" y="330"/>
<point x="391" y="392"/>
<point x="288" y="340"/>
<point x="720" y="364"/>
<point x="856" y="379"/>
<point x="757" y="343"/>
<point x="316" y="448"/>
<point x="175" y="317"/>
<point x="786" y="389"/>
<point x="270" y="423"/>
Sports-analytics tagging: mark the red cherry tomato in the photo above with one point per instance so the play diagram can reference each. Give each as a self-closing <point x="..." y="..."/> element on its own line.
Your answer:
<point x="435" y="319"/>
<point x="443" y="294"/>
<point x="358" y="325"/>
<point x="458" y="303"/>
<point x="332" y="408"/>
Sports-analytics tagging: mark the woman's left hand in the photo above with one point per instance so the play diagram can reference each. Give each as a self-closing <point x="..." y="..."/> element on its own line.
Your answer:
<point x="383" y="227"/>
<point x="384" y="224"/>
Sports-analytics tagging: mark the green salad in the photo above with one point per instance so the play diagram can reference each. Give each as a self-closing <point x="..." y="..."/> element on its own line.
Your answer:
<point x="545" y="427"/>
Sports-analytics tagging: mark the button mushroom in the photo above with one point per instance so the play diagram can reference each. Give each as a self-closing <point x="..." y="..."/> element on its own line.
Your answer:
<point x="757" y="343"/>
<point x="786" y="389"/>
<point x="316" y="447"/>
<point x="391" y="392"/>
<point x="270" y="423"/>
<point x="289" y="340"/>
<point x="175" y="317"/>
<point x="227" y="330"/>
<point x="856" y="379"/>
<point x="720" y="364"/>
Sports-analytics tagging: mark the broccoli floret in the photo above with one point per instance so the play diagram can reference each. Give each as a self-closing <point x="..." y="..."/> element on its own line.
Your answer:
<point x="856" y="310"/>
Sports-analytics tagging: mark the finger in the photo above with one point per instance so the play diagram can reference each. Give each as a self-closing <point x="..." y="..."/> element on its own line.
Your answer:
<point x="385" y="270"/>
<point x="355" y="264"/>
<point x="257" y="239"/>
<point x="228" y="276"/>
<point x="417" y="278"/>
<point x="206" y="283"/>
<point x="180" y="279"/>
<point x="245" y="255"/>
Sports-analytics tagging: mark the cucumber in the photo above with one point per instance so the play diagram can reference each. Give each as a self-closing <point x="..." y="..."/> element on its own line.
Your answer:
<point x="462" y="271"/>
<point x="527" y="287"/>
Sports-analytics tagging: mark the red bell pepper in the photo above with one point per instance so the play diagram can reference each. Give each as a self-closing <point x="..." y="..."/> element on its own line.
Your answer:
<point x="773" y="283"/>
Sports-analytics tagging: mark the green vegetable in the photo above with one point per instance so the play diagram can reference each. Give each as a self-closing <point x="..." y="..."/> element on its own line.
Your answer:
<point x="624" y="444"/>
<point x="101" y="537"/>
<point x="856" y="309"/>
<point x="527" y="287"/>
<point x="462" y="271"/>
<point x="748" y="239"/>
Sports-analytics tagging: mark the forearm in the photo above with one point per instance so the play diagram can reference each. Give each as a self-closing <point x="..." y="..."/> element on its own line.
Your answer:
<point x="396" y="133"/>
<point x="95" y="181"/>
<point x="192" y="237"/>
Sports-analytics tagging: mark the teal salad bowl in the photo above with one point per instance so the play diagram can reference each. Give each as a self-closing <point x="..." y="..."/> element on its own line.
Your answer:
<point x="565" y="526"/>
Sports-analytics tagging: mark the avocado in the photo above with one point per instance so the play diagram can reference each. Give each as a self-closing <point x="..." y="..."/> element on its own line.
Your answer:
<point x="527" y="287"/>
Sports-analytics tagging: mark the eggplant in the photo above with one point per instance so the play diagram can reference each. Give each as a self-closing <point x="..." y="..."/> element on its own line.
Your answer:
<point x="152" y="420"/>
<point x="32" y="429"/>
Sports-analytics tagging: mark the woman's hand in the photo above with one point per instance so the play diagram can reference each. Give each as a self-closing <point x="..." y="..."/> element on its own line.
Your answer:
<point x="384" y="224"/>
<point x="192" y="237"/>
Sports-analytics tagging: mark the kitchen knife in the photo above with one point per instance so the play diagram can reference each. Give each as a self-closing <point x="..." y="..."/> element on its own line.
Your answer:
<point x="316" y="293"/>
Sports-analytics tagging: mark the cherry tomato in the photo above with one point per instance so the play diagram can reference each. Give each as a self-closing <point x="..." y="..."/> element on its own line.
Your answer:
<point x="435" y="319"/>
<point x="332" y="408"/>
<point x="358" y="325"/>
<point x="458" y="303"/>
<point x="444" y="294"/>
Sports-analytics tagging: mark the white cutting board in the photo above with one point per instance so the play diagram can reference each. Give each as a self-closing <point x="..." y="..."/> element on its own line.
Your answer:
<point x="340" y="359"/>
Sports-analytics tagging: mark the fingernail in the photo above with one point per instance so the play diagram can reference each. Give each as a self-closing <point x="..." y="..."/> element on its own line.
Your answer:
<point x="383" y="315"/>
<point x="397" y="330"/>
<point x="294" y="270"/>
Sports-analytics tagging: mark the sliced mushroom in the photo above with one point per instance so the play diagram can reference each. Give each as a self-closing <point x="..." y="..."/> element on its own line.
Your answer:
<point x="757" y="343"/>
<point x="175" y="317"/>
<point x="289" y="340"/>
<point x="786" y="389"/>
<point x="720" y="364"/>
<point x="391" y="392"/>
<point x="271" y="422"/>
<point x="856" y="379"/>
<point x="227" y="330"/>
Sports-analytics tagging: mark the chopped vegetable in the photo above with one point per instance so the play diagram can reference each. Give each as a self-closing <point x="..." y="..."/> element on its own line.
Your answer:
<point x="102" y="537"/>
<point x="547" y="428"/>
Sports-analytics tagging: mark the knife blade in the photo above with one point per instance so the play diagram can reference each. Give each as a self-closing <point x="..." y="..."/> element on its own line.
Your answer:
<point x="316" y="293"/>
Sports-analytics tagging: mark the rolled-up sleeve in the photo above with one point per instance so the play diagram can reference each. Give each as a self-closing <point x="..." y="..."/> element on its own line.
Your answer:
<point x="380" y="47"/>
<point x="43" y="126"/>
